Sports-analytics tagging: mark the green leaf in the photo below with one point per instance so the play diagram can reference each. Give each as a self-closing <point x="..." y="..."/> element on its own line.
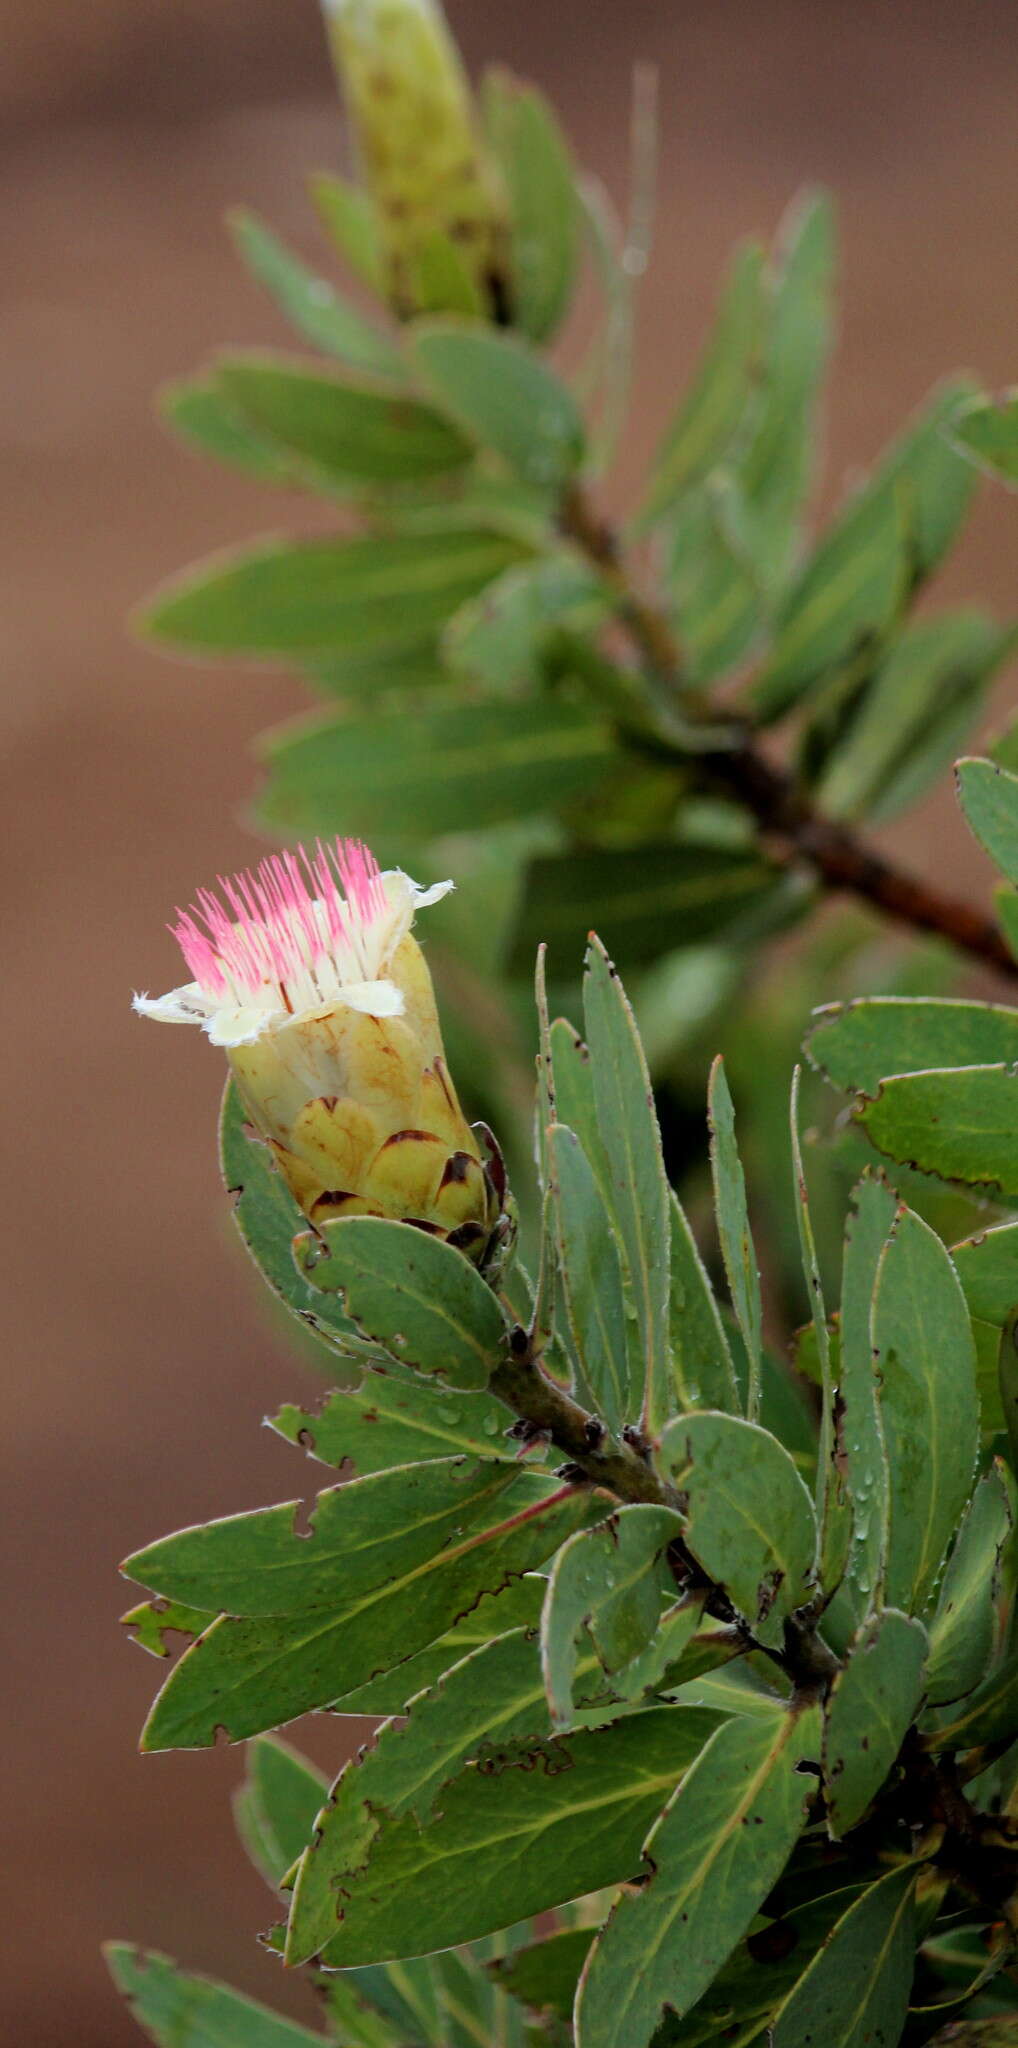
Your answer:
<point x="869" y="1711"/>
<point x="369" y="596"/>
<point x="356" y="435"/>
<point x="485" y="1710"/>
<point x="349" y="216"/>
<point x="734" y="1233"/>
<point x="990" y="1714"/>
<point x="435" y="768"/>
<point x="717" y="1850"/>
<point x="274" y="1809"/>
<point x="776" y="466"/>
<point x="537" y="168"/>
<point x="734" y="540"/>
<point x="1007" y="1384"/>
<point x="412" y="1293"/>
<point x="964" y="1628"/>
<point x="180" y="2010"/>
<point x="833" y="1508"/>
<point x="871" y="1215"/>
<point x="153" y="1620"/>
<point x="199" y="409"/>
<point x="858" y="1044"/>
<point x="517" y="1605"/>
<point x="372" y="678"/>
<point x="987" y="1266"/>
<point x="573" y="1090"/>
<point x="389" y="1420"/>
<point x="924" y="1361"/>
<point x="644" y="897"/>
<point x="961" y="1123"/>
<point x="543" y="1974"/>
<point x="933" y="483"/>
<point x="856" y="1989"/>
<point x="317" y="310"/>
<point x="703" y="1375"/>
<point x="359" y="1544"/>
<point x="987" y="432"/>
<point x="842" y="603"/>
<point x="749" y="1518"/>
<point x="545" y="1823"/>
<point x="497" y="639"/>
<point x="396" y="1559"/>
<point x="711" y="413"/>
<point x="638" y="1190"/>
<point x="885" y="541"/>
<point x="267" y="1218"/>
<point x="989" y="797"/>
<point x="505" y="397"/>
<point x="605" y="1590"/>
<point x="591" y="1273"/>
<point x="914" y="716"/>
<point x="491" y="1699"/>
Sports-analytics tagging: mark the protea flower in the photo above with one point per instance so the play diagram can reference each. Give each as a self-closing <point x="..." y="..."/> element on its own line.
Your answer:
<point x="418" y="145"/>
<point x="306" y="974"/>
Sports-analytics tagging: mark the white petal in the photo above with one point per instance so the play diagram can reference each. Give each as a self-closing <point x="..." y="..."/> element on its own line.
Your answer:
<point x="187" y="1005"/>
<point x="375" y="998"/>
<point x="422" y="897"/>
<point x="242" y="1023"/>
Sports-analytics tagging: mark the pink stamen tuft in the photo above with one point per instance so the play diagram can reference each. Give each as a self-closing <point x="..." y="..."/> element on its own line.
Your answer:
<point x="282" y="920"/>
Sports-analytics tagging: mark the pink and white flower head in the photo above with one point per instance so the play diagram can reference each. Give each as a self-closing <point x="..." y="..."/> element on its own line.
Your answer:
<point x="298" y="937"/>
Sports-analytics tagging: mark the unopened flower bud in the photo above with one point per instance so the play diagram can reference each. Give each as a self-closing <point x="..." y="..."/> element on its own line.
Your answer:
<point x="417" y="141"/>
<point x="306" y="974"/>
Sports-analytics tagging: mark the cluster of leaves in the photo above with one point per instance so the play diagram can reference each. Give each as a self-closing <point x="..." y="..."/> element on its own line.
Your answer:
<point x="937" y="1082"/>
<point x="734" y="1692"/>
<point x="488" y="709"/>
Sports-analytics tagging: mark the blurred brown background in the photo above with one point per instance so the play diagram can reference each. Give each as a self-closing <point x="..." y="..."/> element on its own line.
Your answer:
<point x="139" y="1362"/>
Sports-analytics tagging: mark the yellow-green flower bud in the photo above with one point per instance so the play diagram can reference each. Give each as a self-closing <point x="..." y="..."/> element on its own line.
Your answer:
<point x="307" y="975"/>
<point x="417" y="141"/>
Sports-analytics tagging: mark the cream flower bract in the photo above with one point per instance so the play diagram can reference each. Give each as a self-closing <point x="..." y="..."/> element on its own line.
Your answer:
<point x="306" y="974"/>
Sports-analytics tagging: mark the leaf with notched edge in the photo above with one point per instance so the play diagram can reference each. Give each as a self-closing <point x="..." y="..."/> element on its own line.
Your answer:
<point x="484" y="1710"/>
<point x="548" y="1823"/>
<point x="987" y="1266"/>
<point x="412" y="1293"/>
<point x="958" y="1122"/>
<point x="395" y="1420"/>
<point x="748" y="1517"/>
<point x="856" y="1045"/>
<point x="394" y="1560"/>
<point x="515" y="1605"/>
<point x="715" y="1853"/>
<point x="605" y="1590"/>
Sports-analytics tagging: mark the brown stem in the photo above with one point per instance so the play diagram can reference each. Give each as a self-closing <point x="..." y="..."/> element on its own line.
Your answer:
<point x="782" y="812"/>
<point x="622" y="1467"/>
